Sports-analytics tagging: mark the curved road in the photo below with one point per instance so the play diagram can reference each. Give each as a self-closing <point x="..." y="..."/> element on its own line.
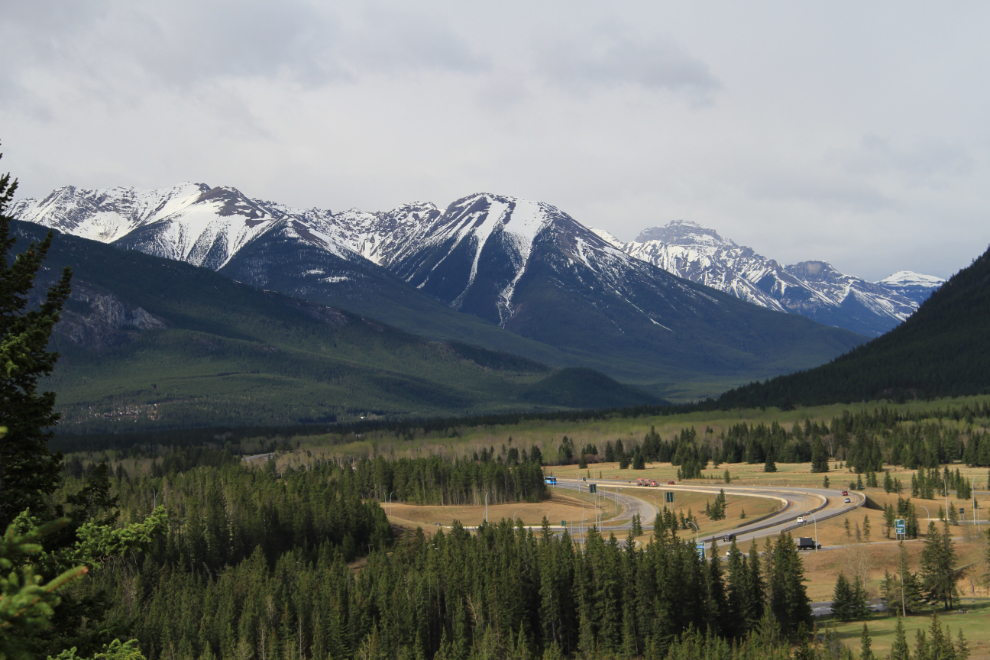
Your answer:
<point x="815" y="503"/>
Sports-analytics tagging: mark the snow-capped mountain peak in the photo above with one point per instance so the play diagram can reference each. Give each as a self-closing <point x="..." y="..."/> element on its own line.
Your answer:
<point x="910" y="278"/>
<point x="811" y="288"/>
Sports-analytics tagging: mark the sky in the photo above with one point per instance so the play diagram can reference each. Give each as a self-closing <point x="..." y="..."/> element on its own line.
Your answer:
<point x="854" y="133"/>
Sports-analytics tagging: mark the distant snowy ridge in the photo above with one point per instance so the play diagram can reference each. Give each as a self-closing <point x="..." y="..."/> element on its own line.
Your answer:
<point x="811" y="288"/>
<point x="473" y="255"/>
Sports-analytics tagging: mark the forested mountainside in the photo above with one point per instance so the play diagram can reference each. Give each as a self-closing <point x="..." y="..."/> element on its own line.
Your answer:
<point x="152" y="343"/>
<point x="942" y="350"/>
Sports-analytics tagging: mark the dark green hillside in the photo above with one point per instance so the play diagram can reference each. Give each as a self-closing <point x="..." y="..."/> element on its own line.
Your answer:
<point x="151" y="343"/>
<point x="585" y="388"/>
<point x="943" y="349"/>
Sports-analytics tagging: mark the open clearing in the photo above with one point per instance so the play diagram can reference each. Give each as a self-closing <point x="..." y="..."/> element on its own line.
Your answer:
<point x="973" y="625"/>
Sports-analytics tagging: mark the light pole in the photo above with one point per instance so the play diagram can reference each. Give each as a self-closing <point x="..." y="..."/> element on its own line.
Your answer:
<point x="388" y="501"/>
<point x="815" y="518"/>
<point x="946" y="485"/>
<point x="976" y="516"/>
<point x="514" y="515"/>
<point x="697" y="532"/>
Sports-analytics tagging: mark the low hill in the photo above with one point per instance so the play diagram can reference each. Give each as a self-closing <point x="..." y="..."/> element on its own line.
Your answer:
<point x="151" y="343"/>
<point x="943" y="349"/>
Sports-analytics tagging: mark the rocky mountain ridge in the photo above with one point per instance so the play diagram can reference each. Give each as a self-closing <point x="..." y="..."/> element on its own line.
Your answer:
<point x="523" y="266"/>
<point x="811" y="288"/>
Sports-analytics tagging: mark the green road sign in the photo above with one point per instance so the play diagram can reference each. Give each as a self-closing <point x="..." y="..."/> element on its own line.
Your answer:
<point x="701" y="549"/>
<point x="563" y="523"/>
<point x="668" y="497"/>
<point x="592" y="488"/>
<point x="899" y="526"/>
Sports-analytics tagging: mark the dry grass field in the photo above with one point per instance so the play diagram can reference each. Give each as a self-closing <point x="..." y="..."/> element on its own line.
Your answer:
<point x="569" y="507"/>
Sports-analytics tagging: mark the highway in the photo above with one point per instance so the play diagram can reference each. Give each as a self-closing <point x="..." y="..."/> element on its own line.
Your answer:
<point x="815" y="503"/>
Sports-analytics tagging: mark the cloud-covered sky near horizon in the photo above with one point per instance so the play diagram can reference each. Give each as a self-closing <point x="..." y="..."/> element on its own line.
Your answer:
<point x="848" y="132"/>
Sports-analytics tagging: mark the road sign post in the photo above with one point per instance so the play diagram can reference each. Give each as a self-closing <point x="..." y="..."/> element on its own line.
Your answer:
<point x="701" y="549"/>
<point x="592" y="488"/>
<point x="899" y="529"/>
<point x="668" y="497"/>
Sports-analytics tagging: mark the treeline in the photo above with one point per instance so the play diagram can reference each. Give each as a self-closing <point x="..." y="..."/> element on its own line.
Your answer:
<point x="221" y="515"/>
<point x="503" y="592"/>
<point x="438" y="481"/>
<point x="864" y="441"/>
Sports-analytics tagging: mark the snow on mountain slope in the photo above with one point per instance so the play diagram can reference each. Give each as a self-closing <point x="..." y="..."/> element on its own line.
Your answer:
<point x="812" y="288"/>
<point x="914" y="286"/>
<point x="105" y="215"/>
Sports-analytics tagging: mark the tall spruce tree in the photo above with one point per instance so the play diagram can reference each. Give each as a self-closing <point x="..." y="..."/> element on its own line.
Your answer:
<point x="789" y="602"/>
<point x="900" y="650"/>
<point x="938" y="576"/>
<point x="28" y="470"/>
<point x="819" y="458"/>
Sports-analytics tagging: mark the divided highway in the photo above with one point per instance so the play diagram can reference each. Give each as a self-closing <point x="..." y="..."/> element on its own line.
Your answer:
<point x="815" y="503"/>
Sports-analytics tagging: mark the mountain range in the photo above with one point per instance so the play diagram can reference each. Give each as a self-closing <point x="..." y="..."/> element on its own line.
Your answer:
<point x="490" y="270"/>
<point x="811" y="288"/>
<point x="148" y="343"/>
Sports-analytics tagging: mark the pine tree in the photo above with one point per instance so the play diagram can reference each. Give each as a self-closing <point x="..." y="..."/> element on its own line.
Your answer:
<point x="769" y="466"/>
<point x="866" y="528"/>
<point x="859" y="607"/>
<point x="962" y="647"/>
<point x="842" y="599"/>
<point x="28" y="470"/>
<point x="789" y="601"/>
<point x="819" y="459"/>
<point x="899" y="650"/>
<point x="865" y="644"/>
<point x="938" y="577"/>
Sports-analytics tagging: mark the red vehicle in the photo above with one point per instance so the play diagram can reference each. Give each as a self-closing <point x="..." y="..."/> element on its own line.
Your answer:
<point x="653" y="483"/>
<point x="845" y="492"/>
<point x="641" y="482"/>
<point x="670" y="483"/>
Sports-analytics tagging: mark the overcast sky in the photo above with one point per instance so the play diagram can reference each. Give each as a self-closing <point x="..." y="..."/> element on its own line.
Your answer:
<point x="852" y="132"/>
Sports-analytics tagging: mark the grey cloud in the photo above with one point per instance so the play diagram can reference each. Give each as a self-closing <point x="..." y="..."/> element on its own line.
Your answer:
<point x="925" y="165"/>
<point x="114" y="44"/>
<point x="828" y="195"/>
<point x="610" y="55"/>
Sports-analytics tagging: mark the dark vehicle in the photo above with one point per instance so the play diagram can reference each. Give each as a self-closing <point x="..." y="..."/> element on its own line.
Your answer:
<point x="806" y="543"/>
<point x="728" y="538"/>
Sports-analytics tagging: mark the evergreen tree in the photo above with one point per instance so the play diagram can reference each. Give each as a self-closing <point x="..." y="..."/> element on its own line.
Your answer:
<point x="962" y="647"/>
<point x="819" y="458"/>
<point x="769" y="465"/>
<point x="899" y="650"/>
<point x="938" y="576"/>
<point x="789" y="601"/>
<point x="865" y="644"/>
<point x="28" y="470"/>
<point x="859" y="607"/>
<point x="842" y="599"/>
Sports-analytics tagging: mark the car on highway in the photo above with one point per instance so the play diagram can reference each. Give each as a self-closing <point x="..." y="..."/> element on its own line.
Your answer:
<point x="670" y="483"/>
<point x="728" y="538"/>
<point x="845" y="492"/>
<point x="848" y="501"/>
<point x="802" y="519"/>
